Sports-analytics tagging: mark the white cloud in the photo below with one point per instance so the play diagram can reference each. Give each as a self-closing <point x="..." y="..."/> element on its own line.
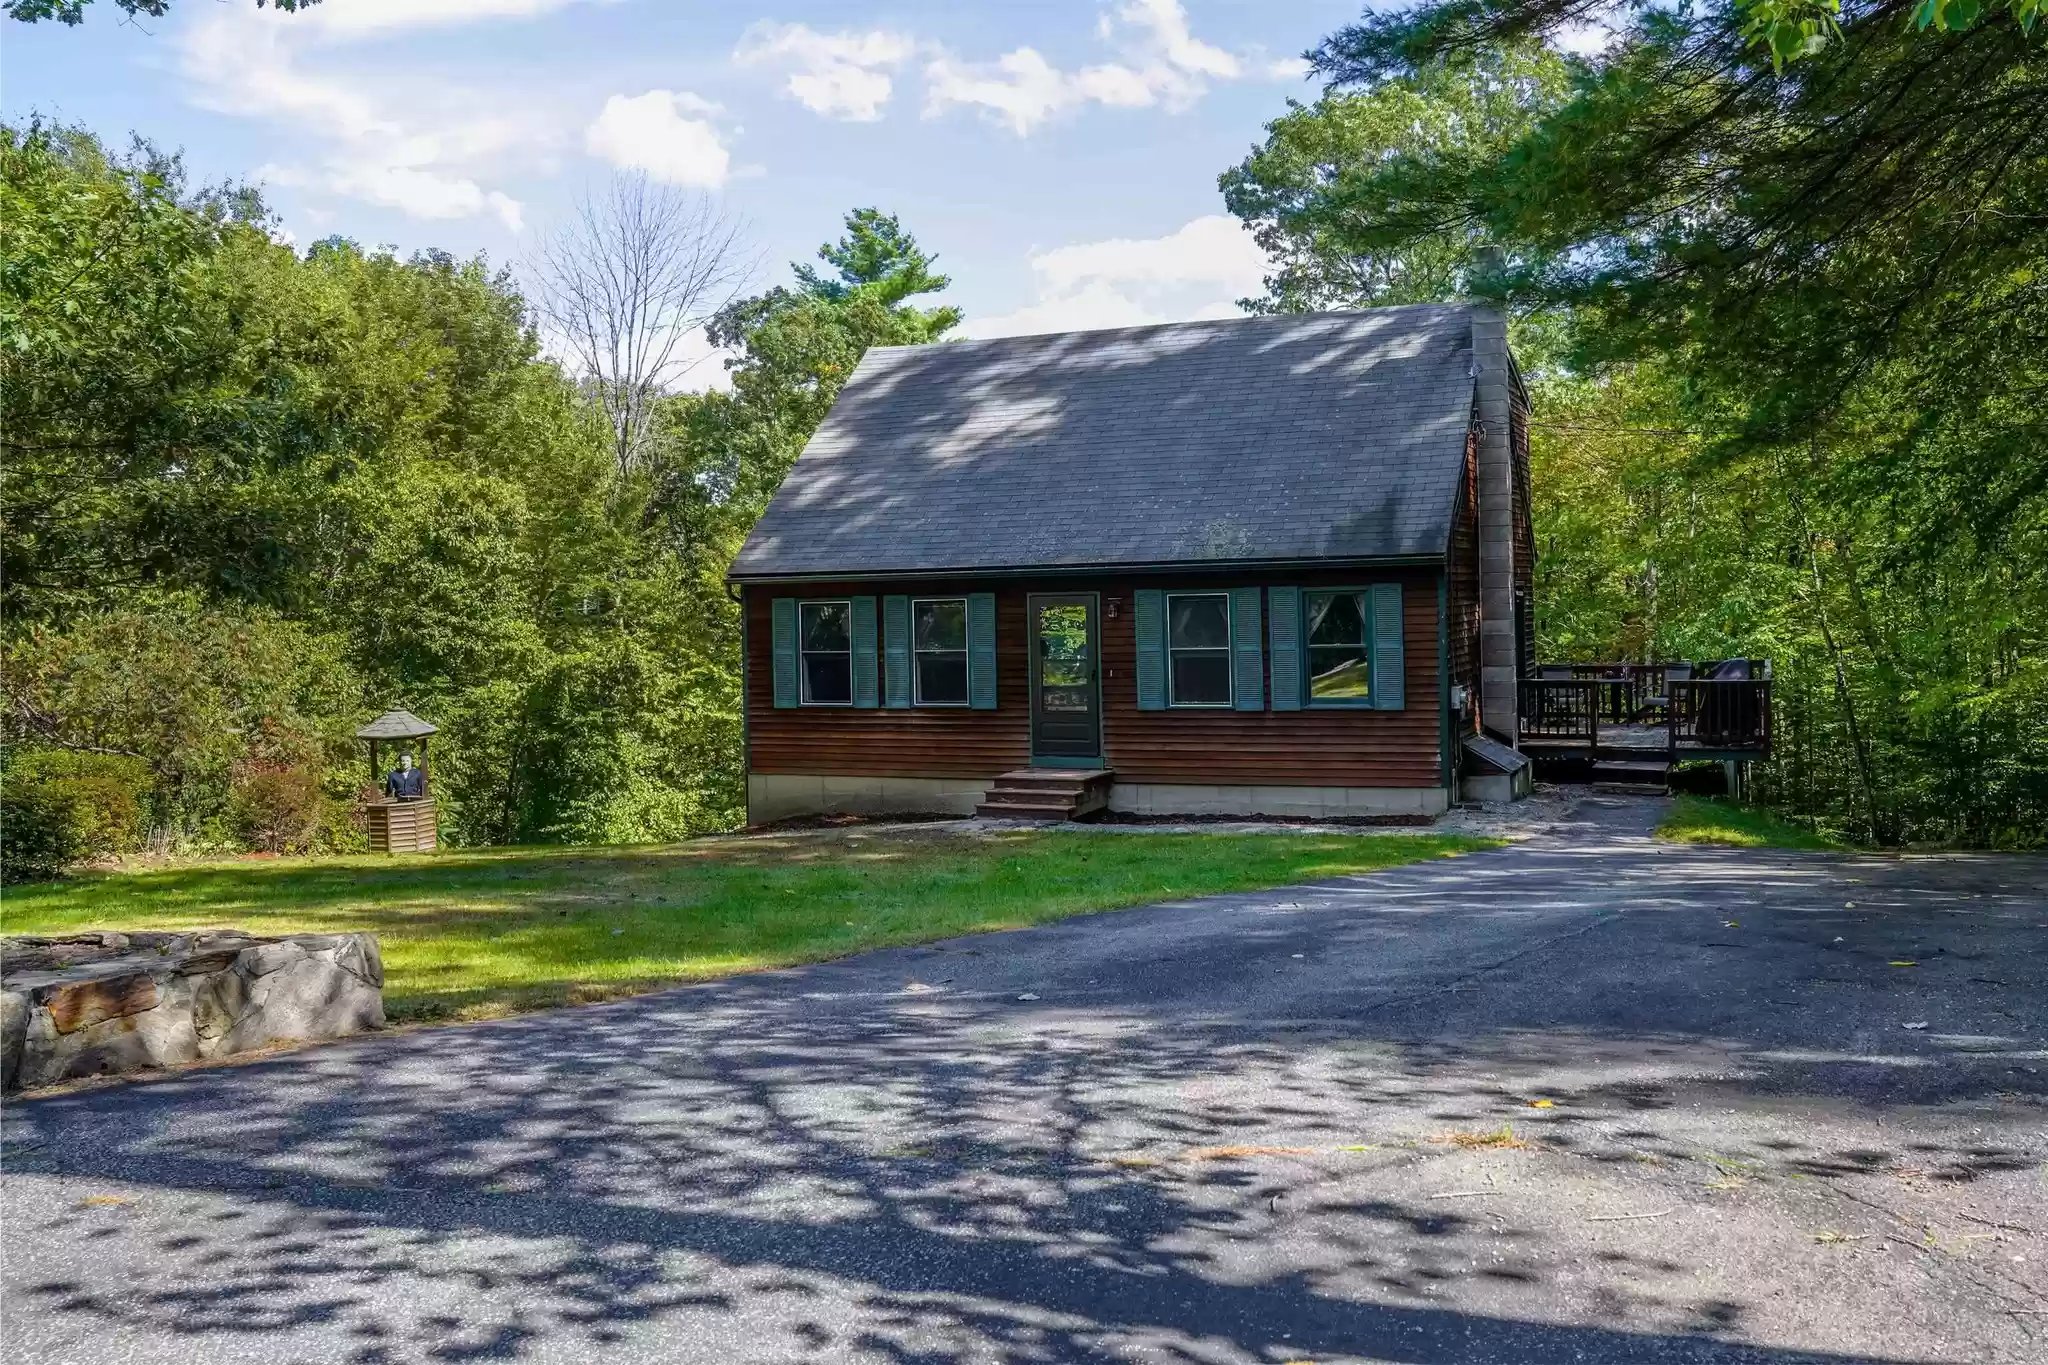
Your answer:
<point x="1168" y="23"/>
<point x="838" y="75"/>
<point x="1213" y="250"/>
<point x="1160" y="62"/>
<point x="1020" y="89"/>
<point x="423" y="193"/>
<point x="240" y="66"/>
<point x="1197" y="271"/>
<point x="423" y="148"/>
<point x="652" y="133"/>
<point x="356" y="17"/>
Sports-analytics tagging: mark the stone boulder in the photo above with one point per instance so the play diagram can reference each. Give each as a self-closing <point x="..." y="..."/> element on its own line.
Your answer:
<point x="96" y="1003"/>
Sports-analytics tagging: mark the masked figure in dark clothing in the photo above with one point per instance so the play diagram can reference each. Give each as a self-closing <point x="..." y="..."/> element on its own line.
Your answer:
<point x="405" y="782"/>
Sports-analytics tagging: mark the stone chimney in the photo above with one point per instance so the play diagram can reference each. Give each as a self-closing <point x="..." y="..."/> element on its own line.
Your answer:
<point x="1494" y="382"/>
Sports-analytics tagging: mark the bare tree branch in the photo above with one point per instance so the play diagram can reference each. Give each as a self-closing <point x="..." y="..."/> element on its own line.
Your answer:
<point x="636" y="268"/>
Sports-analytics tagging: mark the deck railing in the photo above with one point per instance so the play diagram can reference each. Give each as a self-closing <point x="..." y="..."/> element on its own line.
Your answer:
<point x="1566" y="706"/>
<point x="1720" y="715"/>
<point x="1560" y="710"/>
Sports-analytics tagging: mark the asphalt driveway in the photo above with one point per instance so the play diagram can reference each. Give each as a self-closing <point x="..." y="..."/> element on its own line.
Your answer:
<point x="1586" y="1099"/>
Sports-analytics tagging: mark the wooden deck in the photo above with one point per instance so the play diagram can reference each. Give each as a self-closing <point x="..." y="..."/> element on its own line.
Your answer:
<point x="1637" y="713"/>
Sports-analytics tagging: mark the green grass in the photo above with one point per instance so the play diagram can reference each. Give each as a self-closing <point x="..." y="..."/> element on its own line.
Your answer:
<point x="1705" y="820"/>
<point x="474" y="934"/>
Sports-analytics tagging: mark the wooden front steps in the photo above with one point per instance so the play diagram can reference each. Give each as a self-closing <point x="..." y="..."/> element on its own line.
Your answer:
<point x="1046" y="794"/>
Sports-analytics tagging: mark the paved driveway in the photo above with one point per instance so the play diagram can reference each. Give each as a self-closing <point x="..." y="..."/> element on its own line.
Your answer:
<point x="1225" y="1130"/>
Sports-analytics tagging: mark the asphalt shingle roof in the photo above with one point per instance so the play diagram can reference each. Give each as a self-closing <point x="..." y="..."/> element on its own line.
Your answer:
<point x="1325" y="435"/>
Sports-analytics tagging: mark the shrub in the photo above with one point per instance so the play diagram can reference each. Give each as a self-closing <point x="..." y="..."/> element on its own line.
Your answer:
<point x="277" y="809"/>
<point x="58" y="808"/>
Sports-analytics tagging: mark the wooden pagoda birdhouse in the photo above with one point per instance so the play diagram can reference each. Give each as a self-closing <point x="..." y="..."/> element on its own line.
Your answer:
<point x="398" y="809"/>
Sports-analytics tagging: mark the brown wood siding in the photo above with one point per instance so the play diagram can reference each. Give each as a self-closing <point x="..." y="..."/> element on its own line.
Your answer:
<point x="1462" y="597"/>
<point x="1350" y="748"/>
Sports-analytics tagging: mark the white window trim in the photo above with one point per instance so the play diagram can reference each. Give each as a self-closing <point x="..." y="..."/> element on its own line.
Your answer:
<point x="803" y="674"/>
<point x="1229" y="652"/>
<point x="966" y="657"/>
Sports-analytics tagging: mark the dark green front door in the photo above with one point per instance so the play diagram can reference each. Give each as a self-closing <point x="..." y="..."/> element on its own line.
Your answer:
<point x="1066" y="699"/>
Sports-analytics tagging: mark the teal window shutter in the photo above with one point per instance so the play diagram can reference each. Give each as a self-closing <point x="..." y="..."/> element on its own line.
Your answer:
<point x="1148" y="617"/>
<point x="896" y="652"/>
<point x="782" y="640"/>
<point x="1389" y="656"/>
<point x="1283" y="635"/>
<point x="981" y="651"/>
<point x="867" y="685"/>
<point x="1247" y="660"/>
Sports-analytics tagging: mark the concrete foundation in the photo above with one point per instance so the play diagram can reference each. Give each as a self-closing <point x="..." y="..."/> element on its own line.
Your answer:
<point x="783" y="796"/>
<point x="1317" y="803"/>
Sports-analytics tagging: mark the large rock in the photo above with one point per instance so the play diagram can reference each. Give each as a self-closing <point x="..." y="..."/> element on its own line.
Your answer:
<point x="95" y="1003"/>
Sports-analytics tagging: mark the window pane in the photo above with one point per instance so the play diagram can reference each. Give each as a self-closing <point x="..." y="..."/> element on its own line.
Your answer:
<point x="1335" y="618"/>
<point x="828" y="678"/>
<point x="940" y="625"/>
<point x="1063" y="646"/>
<point x="1339" y="673"/>
<point x="1201" y="679"/>
<point x="826" y="625"/>
<point x="941" y="679"/>
<point x="1198" y="622"/>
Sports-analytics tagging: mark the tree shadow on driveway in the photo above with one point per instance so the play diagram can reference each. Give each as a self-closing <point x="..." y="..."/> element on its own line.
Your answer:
<point x="1300" y="1125"/>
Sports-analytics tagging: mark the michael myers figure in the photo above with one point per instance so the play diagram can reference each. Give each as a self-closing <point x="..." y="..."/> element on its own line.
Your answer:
<point x="405" y="782"/>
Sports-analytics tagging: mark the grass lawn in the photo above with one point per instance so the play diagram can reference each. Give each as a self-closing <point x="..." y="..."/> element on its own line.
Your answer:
<point x="1705" y="820"/>
<point x="478" y="933"/>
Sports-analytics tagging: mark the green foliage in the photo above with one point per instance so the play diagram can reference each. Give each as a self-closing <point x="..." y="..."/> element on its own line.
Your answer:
<point x="188" y="690"/>
<point x="1326" y="169"/>
<point x="1704" y="820"/>
<point x="73" y="11"/>
<point x="1791" y="30"/>
<point x="277" y="809"/>
<point x="59" y="808"/>
<point x="254" y="497"/>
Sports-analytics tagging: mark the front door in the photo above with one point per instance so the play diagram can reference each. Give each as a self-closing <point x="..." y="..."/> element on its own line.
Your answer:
<point x="1066" y="700"/>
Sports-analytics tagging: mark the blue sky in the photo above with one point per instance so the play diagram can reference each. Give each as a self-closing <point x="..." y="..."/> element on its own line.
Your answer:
<point x="1059" y="155"/>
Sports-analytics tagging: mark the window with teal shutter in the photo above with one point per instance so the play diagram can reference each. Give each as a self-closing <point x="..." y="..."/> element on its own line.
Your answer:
<point x="938" y="651"/>
<point x="981" y="651"/>
<point x="1336" y="629"/>
<point x="1148" y="621"/>
<point x="1247" y="661"/>
<point x="1283" y="635"/>
<point x="782" y="644"/>
<point x="896" y="652"/>
<point x="824" y="641"/>
<point x="1389" y="656"/>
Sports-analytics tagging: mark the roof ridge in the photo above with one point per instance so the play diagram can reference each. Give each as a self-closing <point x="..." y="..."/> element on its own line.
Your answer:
<point x="1455" y="306"/>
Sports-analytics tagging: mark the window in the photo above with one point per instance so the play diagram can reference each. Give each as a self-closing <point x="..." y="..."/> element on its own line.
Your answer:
<point x="1339" y="647"/>
<point x="938" y="651"/>
<point x="825" y="637"/>
<point x="1198" y="649"/>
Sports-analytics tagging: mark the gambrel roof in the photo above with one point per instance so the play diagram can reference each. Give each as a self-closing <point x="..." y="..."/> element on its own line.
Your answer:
<point x="1242" y="440"/>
